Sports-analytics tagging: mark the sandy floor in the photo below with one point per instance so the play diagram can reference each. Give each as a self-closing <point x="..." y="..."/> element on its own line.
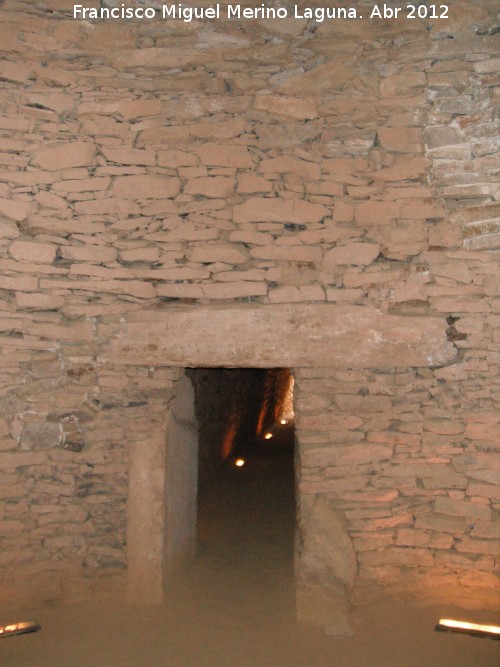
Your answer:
<point x="235" y="606"/>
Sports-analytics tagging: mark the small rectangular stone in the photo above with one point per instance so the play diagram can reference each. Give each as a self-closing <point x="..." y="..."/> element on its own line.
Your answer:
<point x="92" y="184"/>
<point x="210" y="253"/>
<point x="21" y="459"/>
<point x="272" y="209"/>
<point x="212" y="154"/>
<point x="339" y="455"/>
<point x="180" y="291"/>
<point x="144" y="254"/>
<point x="145" y="186"/>
<point x="115" y="206"/>
<point x="249" y="183"/>
<point x="401" y="139"/>
<point x="13" y="491"/>
<point x="296" y="293"/>
<point x="176" y="158"/>
<point x="295" y="253"/>
<point x="289" y="107"/>
<point x="487" y="529"/>
<point x="397" y="84"/>
<point x="377" y="212"/>
<point x="443" y="426"/>
<point x="71" y="154"/>
<point x="491" y="491"/>
<point x="481" y="547"/>
<point x="291" y="165"/>
<point x="441" y="523"/>
<point x="19" y="283"/>
<point x="371" y="542"/>
<point x="210" y="186"/>
<point x="129" y="156"/>
<point x="70" y="226"/>
<point x="328" y="422"/>
<point x="483" y="431"/>
<point x="344" y="295"/>
<point x="27" y="251"/>
<point x="363" y="404"/>
<point x="89" y="253"/>
<point x="418" y="470"/>
<point x="39" y="301"/>
<point x="238" y="289"/>
<point x="394" y="438"/>
<point x="411" y="537"/>
<point x="136" y="288"/>
<point x="404" y="556"/>
<point x="453" y="481"/>
<point x="404" y="168"/>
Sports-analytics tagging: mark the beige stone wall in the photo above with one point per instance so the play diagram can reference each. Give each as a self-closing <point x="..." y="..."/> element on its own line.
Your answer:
<point x="415" y="478"/>
<point x="278" y="162"/>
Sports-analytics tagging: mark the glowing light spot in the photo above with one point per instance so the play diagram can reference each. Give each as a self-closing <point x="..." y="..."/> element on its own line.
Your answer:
<point x="18" y="628"/>
<point x="239" y="463"/>
<point x="470" y="628"/>
<point x="283" y="421"/>
<point x="268" y="436"/>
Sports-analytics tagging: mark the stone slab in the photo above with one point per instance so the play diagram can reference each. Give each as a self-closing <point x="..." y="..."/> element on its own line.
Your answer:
<point x="288" y="335"/>
<point x="145" y="528"/>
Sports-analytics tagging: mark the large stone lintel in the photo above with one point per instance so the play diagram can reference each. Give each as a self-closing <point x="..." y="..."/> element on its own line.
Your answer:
<point x="288" y="335"/>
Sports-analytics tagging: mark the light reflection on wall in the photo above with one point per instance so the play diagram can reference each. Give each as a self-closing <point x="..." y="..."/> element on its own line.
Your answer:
<point x="287" y="413"/>
<point x="229" y="436"/>
<point x="277" y="402"/>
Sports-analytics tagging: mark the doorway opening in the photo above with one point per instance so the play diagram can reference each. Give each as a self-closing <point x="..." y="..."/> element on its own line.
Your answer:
<point x="246" y="512"/>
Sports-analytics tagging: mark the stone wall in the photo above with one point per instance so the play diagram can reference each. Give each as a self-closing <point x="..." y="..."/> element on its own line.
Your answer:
<point x="414" y="476"/>
<point x="146" y="163"/>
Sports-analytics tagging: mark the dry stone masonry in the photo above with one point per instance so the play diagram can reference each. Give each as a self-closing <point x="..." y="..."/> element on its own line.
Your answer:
<point x="278" y="164"/>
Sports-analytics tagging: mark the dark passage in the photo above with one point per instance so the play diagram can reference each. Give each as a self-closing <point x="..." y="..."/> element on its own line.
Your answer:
<point x="236" y="408"/>
<point x="242" y="578"/>
<point x="246" y="474"/>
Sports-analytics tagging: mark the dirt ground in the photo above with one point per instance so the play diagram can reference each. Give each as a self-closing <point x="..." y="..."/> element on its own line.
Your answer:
<point x="235" y="606"/>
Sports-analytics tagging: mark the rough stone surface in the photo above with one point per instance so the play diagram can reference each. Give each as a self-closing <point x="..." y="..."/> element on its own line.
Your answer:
<point x="142" y="168"/>
<point x="250" y="336"/>
<point x="327" y="563"/>
<point x="77" y="154"/>
<point x="359" y="254"/>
